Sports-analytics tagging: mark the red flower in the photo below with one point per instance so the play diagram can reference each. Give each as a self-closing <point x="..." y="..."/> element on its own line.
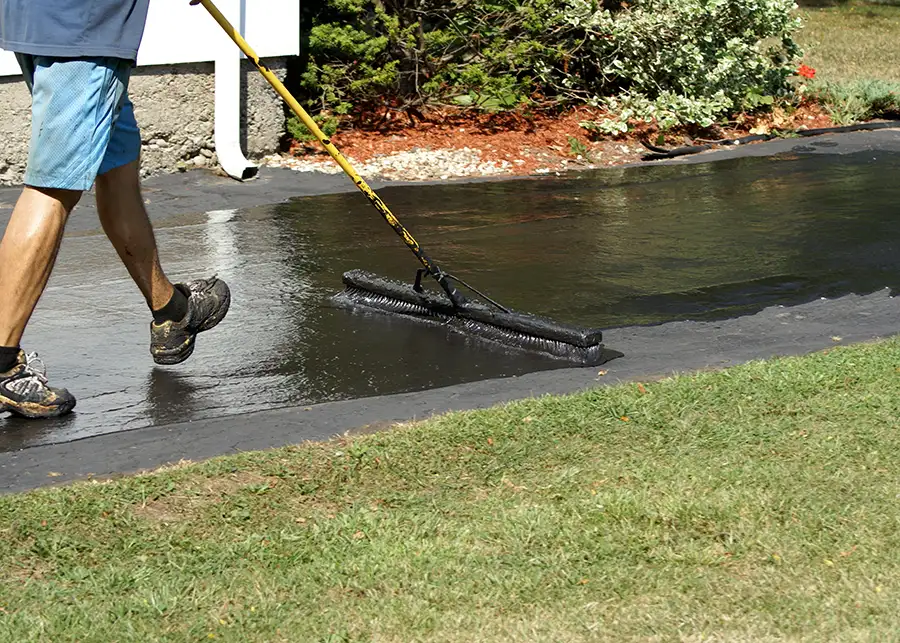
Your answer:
<point x="806" y="71"/>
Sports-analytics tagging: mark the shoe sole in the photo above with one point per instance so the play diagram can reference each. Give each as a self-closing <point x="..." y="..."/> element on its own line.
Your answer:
<point x="168" y="359"/>
<point x="34" y="411"/>
<point x="176" y="357"/>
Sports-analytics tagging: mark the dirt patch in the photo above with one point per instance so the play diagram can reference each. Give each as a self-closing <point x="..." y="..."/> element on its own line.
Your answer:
<point x="196" y="495"/>
<point x="221" y="486"/>
<point x="159" y="511"/>
<point x="26" y="570"/>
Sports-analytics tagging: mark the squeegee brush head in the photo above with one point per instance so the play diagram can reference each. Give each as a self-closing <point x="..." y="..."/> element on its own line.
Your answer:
<point x="515" y="330"/>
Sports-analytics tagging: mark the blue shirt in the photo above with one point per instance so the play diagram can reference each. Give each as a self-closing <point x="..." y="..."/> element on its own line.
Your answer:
<point x="73" y="28"/>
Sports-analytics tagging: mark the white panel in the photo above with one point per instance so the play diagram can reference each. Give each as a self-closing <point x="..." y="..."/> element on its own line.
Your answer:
<point x="273" y="27"/>
<point x="8" y="64"/>
<point x="177" y="32"/>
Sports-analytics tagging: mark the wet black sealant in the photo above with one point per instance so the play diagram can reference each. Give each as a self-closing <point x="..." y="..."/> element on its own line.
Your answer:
<point x="606" y="249"/>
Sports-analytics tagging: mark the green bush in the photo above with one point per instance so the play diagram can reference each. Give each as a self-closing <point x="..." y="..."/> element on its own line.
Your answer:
<point x="858" y="101"/>
<point x="691" y="61"/>
<point x="676" y="61"/>
<point x="299" y="131"/>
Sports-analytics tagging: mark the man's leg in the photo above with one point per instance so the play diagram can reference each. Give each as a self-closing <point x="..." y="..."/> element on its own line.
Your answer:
<point x="180" y="311"/>
<point x="74" y="105"/>
<point x="27" y="256"/>
<point x="127" y="225"/>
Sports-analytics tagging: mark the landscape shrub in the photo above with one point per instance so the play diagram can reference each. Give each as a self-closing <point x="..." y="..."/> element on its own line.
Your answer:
<point x="852" y="102"/>
<point x="673" y="61"/>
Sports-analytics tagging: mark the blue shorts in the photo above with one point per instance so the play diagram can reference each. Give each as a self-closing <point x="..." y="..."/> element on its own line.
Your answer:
<point x="82" y="122"/>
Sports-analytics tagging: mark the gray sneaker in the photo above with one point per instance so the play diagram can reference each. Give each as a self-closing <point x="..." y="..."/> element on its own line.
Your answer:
<point x="208" y="301"/>
<point x="24" y="390"/>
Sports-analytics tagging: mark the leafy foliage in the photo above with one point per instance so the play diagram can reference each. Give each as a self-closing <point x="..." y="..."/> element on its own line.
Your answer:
<point x="675" y="61"/>
<point x="858" y="101"/>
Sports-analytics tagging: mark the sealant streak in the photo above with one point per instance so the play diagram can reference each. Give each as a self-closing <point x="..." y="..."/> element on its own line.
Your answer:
<point x="617" y="248"/>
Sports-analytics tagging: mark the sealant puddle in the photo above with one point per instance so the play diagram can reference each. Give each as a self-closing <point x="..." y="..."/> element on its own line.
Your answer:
<point x="603" y="249"/>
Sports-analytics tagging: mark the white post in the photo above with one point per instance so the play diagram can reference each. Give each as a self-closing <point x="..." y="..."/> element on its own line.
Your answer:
<point x="228" y="98"/>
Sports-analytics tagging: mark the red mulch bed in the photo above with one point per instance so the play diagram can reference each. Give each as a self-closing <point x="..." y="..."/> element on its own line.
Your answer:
<point x="540" y="140"/>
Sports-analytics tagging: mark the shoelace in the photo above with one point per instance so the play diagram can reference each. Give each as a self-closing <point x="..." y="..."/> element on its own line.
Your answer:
<point x="203" y="285"/>
<point x="35" y="368"/>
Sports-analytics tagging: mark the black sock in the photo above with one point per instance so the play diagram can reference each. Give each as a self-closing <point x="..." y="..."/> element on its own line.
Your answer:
<point x="173" y="311"/>
<point x="9" y="357"/>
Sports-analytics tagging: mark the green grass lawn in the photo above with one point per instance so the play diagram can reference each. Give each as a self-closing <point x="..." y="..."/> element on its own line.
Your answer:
<point x="760" y="503"/>
<point x="854" y="49"/>
<point x="854" y="42"/>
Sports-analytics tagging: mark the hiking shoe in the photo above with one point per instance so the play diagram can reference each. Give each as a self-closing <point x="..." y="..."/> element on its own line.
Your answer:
<point x="208" y="301"/>
<point x="24" y="390"/>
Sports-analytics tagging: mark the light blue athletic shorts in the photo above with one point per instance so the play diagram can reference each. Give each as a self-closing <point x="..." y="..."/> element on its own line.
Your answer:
<point x="82" y="122"/>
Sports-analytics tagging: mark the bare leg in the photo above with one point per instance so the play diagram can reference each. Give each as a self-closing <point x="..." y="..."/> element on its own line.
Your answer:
<point x="127" y="225"/>
<point x="203" y="306"/>
<point x="28" y="253"/>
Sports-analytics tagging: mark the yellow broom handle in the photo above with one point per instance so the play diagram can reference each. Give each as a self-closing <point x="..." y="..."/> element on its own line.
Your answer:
<point x="430" y="266"/>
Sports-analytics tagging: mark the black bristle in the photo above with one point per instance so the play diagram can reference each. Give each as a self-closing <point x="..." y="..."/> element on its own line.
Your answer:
<point x="427" y="307"/>
<point x="361" y="297"/>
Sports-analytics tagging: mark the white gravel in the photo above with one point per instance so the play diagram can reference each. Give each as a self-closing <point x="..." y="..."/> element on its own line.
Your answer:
<point x="413" y="165"/>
